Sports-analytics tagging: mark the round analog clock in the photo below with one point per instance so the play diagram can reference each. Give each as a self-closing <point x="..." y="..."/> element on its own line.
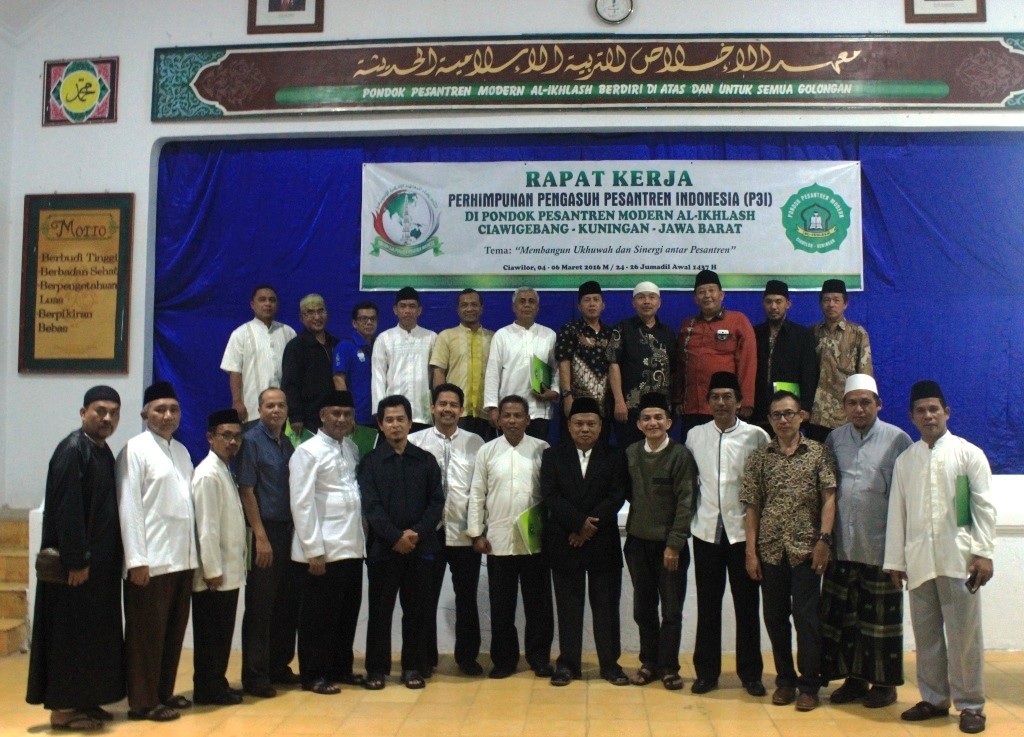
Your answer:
<point x="613" y="11"/>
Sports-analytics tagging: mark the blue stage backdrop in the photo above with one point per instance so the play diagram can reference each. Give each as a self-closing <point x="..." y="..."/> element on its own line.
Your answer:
<point x="943" y="240"/>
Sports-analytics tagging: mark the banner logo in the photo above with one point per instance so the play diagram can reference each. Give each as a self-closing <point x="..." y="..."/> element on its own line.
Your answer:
<point x="816" y="219"/>
<point x="406" y="222"/>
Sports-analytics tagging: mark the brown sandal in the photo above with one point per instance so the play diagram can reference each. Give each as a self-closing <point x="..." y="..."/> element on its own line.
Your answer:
<point x="78" y="722"/>
<point x="642" y="677"/>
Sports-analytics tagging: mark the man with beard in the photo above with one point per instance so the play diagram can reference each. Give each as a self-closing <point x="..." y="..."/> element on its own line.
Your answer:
<point x="77" y="657"/>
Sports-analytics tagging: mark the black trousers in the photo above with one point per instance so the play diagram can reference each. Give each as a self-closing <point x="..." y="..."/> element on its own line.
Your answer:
<point x="711" y="563"/>
<point x="506" y="576"/>
<point x="213" y="625"/>
<point x="327" y="621"/>
<point x="271" y="617"/>
<point x="652" y="584"/>
<point x="604" y="585"/>
<point x="539" y="428"/>
<point x="155" y="618"/>
<point x="793" y="590"/>
<point x="479" y="425"/>
<point x="408" y="577"/>
<point x="464" y="563"/>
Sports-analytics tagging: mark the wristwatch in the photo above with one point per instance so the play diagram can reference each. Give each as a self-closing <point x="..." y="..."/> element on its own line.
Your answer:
<point x="826" y="538"/>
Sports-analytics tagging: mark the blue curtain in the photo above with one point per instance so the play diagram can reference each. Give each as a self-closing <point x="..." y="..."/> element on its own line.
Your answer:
<point x="943" y="241"/>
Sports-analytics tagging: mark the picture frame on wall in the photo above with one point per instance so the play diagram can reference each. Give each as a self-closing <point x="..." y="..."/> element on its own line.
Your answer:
<point x="77" y="91"/>
<point x="945" y="11"/>
<point x="76" y="283"/>
<point x="286" y="16"/>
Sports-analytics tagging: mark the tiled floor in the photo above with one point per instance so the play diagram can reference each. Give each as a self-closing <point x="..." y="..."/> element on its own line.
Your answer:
<point x="525" y="706"/>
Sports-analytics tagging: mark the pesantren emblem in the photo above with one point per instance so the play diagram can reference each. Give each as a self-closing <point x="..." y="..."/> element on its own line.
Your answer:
<point x="406" y="222"/>
<point x="816" y="219"/>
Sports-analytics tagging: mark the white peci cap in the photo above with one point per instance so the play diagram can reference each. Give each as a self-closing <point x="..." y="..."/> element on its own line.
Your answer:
<point x="646" y="287"/>
<point x="860" y="381"/>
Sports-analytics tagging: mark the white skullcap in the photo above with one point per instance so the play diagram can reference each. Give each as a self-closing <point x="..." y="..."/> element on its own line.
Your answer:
<point x="646" y="287"/>
<point x="860" y="381"/>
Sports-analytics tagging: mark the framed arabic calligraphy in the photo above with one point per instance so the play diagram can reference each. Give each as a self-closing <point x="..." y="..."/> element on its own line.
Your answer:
<point x="80" y="91"/>
<point x="945" y="11"/>
<point x="571" y="73"/>
<point x="286" y="16"/>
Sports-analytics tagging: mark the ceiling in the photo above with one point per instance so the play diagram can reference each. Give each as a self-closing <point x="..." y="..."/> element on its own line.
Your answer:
<point x="18" y="18"/>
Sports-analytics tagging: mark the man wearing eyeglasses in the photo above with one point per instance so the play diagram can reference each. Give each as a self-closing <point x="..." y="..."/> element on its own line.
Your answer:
<point x="789" y="487"/>
<point x="220" y="528"/>
<point x="353" y="368"/>
<point x="306" y="374"/>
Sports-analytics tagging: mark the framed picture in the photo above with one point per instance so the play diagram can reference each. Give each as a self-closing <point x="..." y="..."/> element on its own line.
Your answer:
<point x="80" y="91"/>
<point x="945" y="11"/>
<point x="75" y="283"/>
<point x="286" y="16"/>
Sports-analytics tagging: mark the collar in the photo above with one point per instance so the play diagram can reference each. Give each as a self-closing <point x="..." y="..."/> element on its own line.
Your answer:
<point x="720" y="315"/>
<point x="441" y="436"/>
<point x="801" y="447"/>
<point x="841" y="325"/>
<point x="266" y="431"/>
<point x="358" y="339"/>
<point x="734" y="428"/>
<point x="649" y="449"/>
<point x="638" y="321"/>
<point x="328" y="439"/>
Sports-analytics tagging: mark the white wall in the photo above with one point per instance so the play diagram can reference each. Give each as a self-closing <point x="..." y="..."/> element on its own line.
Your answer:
<point x="38" y="410"/>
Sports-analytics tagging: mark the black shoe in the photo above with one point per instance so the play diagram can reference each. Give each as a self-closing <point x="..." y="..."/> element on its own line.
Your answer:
<point x="853" y="689"/>
<point x="498" y="673"/>
<point x="754" y="688"/>
<point x="880" y="696"/>
<point x="972" y="721"/>
<point x="544" y="671"/>
<point x="561" y="677"/>
<point x="285" y="678"/>
<point x="225" y="698"/>
<point x="704" y="685"/>
<point x="235" y="691"/>
<point x="471" y="668"/>
<point x="350" y="679"/>
<point x="922" y="710"/>
<point x="616" y="677"/>
<point x="263" y="692"/>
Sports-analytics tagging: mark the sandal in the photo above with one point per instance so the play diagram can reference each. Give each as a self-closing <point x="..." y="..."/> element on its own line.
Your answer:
<point x="672" y="681"/>
<point x="98" y="713"/>
<point x="323" y="687"/>
<point x="373" y="683"/>
<point x="178" y="702"/>
<point x="642" y="677"/>
<point x="159" y="713"/>
<point x="79" y="721"/>
<point x="352" y="679"/>
<point x="412" y="679"/>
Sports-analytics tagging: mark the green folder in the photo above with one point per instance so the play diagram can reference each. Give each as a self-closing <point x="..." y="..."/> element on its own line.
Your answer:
<point x="530" y="525"/>
<point x="786" y="386"/>
<point x="540" y="375"/>
<point x="963" y="501"/>
<point x="293" y="438"/>
<point x="365" y="439"/>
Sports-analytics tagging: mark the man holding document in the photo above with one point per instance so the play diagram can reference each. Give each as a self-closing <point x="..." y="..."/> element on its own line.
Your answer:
<point x="503" y="521"/>
<point x="940" y="540"/>
<point x="522" y="362"/>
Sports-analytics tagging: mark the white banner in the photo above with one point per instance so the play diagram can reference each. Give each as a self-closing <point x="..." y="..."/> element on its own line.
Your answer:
<point x="555" y="224"/>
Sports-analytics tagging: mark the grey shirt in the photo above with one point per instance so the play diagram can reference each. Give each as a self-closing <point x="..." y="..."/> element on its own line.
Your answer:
<point x="862" y="497"/>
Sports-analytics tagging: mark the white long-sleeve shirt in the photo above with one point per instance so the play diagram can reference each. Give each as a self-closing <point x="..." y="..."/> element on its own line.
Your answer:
<point x="255" y="351"/>
<point x="401" y="365"/>
<point x="506" y="482"/>
<point x="509" y="366"/>
<point x="326" y="508"/>
<point x="459" y="452"/>
<point x="721" y="457"/>
<point x="154" y="497"/>
<point x="220" y="524"/>
<point x="922" y="537"/>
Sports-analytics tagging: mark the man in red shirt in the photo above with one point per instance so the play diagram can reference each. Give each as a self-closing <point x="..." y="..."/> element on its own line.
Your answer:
<point x="713" y="340"/>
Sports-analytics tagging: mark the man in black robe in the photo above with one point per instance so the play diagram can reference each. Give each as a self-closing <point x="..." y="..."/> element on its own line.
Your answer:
<point x="77" y="658"/>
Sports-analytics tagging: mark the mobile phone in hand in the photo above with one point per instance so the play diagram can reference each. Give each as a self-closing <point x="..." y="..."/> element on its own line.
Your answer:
<point x="972" y="583"/>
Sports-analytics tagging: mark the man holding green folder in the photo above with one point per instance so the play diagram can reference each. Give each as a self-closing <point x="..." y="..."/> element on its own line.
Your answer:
<point x="940" y="539"/>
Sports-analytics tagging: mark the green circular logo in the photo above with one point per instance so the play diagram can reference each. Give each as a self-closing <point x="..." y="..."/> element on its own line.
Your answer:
<point x="816" y="219"/>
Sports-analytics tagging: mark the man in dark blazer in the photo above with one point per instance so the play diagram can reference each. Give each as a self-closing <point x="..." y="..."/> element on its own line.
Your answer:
<point x="583" y="483"/>
<point x="786" y="357"/>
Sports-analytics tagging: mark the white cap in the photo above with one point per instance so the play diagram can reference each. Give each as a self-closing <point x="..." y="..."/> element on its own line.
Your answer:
<point x="646" y="287"/>
<point x="860" y="381"/>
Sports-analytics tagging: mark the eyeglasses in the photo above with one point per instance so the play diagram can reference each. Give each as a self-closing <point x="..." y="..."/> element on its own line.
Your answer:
<point x="314" y="311"/>
<point x="230" y="437"/>
<point x="787" y="414"/>
<point x="365" y="318"/>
